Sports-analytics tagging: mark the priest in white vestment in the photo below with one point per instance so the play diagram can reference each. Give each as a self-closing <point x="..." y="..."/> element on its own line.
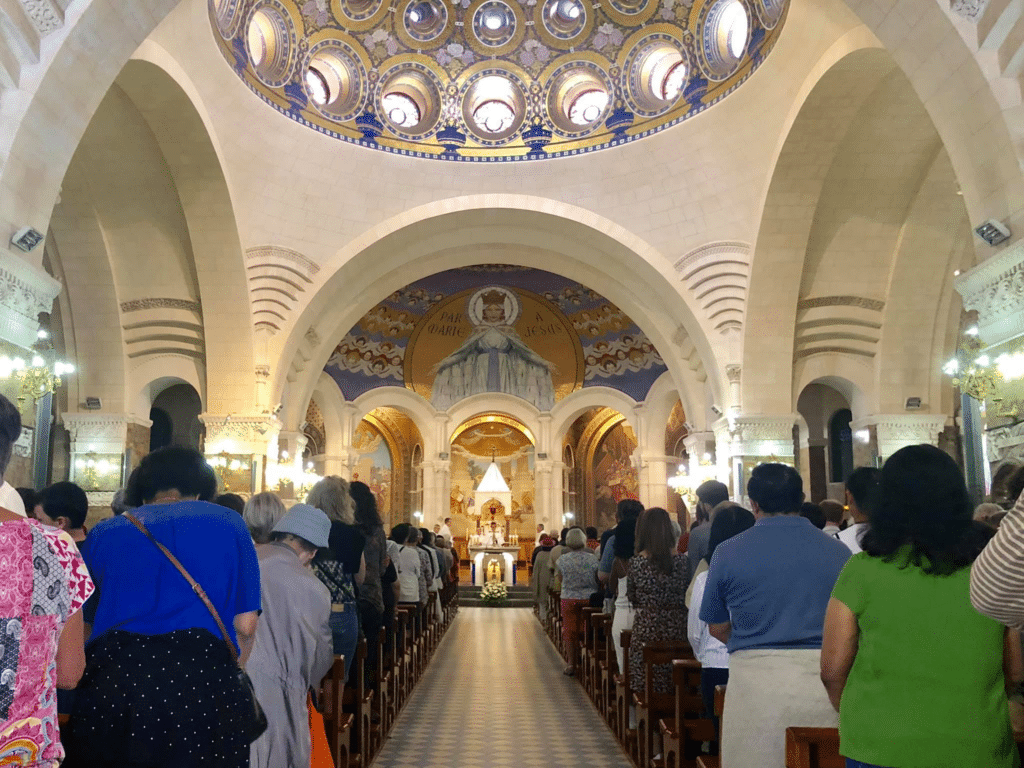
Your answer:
<point x="493" y="536"/>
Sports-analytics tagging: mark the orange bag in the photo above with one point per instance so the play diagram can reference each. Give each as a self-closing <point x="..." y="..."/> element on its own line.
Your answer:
<point x="321" y="755"/>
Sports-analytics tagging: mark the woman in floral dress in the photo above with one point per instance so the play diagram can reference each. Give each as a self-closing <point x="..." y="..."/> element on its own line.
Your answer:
<point x="657" y="592"/>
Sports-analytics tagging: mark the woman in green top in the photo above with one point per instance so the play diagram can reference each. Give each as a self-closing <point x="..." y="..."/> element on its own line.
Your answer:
<point x="918" y="676"/>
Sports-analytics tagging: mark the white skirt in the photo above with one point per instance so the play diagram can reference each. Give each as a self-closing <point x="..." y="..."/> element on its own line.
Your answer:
<point x="769" y="691"/>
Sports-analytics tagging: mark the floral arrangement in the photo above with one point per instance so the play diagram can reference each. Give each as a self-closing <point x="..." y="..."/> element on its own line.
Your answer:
<point x="494" y="593"/>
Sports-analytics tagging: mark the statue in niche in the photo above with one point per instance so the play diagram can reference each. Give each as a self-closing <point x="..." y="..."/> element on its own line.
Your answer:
<point x="493" y="358"/>
<point x="494" y="571"/>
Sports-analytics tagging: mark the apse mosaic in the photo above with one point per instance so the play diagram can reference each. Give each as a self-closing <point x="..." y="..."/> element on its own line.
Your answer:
<point x="495" y="328"/>
<point x="615" y="477"/>
<point x="374" y="464"/>
<point x="486" y="80"/>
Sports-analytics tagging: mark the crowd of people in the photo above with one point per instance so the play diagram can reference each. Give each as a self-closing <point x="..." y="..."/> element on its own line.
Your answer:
<point x="142" y="654"/>
<point x="856" y="615"/>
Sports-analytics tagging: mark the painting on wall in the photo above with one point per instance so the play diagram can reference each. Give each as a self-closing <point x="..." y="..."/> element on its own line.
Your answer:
<point x="481" y="440"/>
<point x="495" y="328"/>
<point x="374" y="465"/>
<point x="615" y="477"/>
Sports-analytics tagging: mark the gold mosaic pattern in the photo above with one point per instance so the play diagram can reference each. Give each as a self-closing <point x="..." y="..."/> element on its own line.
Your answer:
<point x="438" y="53"/>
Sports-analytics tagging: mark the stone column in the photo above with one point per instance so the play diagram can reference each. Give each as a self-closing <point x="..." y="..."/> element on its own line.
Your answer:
<point x="885" y="433"/>
<point x="547" y="507"/>
<point x="246" y="438"/>
<point x="754" y="440"/>
<point x="105" y="448"/>
<point x="654" y="473"/>
<point x="734" y="373"/>
<point x="436" y="489"/>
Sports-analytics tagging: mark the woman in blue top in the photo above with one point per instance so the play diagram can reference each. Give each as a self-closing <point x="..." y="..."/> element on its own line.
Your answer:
<point x="160" y="688"/>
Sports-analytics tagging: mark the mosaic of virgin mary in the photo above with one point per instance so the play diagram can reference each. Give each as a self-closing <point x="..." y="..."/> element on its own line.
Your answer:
<point x="494" y="358"/>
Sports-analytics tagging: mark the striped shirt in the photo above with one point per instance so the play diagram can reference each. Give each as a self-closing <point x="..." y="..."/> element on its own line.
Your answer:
<point x="997" y="577"/>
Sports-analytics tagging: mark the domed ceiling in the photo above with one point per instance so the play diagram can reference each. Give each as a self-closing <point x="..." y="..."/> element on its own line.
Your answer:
<point x="495" y="328"/>
<point x="487" y="80"/>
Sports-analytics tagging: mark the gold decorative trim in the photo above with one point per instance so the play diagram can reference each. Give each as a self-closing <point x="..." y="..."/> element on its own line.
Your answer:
<point x="493" y="418"/>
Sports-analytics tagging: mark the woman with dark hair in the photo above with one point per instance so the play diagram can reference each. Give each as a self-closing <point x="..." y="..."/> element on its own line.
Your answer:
<point x="728" y="520"/>
<point x="161" y="688"/>
<point x="426" y="546"/>
<point x="656" y="590"/>
<point x="341" y="566"/>
<point x="618" y="583"/>
<point x="917" y="676"/>
<point x="593" y="542"/>
<point x="540" y="577"/>
<point x="371" y="593"/>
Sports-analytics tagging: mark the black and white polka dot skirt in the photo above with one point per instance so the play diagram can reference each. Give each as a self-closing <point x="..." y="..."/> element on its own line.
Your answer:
<point x="157" y="701"/>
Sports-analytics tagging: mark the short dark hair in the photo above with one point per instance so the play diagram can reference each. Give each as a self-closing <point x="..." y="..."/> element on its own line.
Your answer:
<point x="427" y="537"/>
<point x="1002" y="494"/>
<point x="629" y="508"/>
<point x="712" y="493"/>
<point x="777" y="488"/>
<point x="625" y="539"/>
<point x="591" y="532"/>
<point x="367" y="515"/>
<point x="1015" y="485"/>
<point x="400" y="533"/>
<point x="10" y="431"/>
<point x="834" y="511"/>
<point x="172" y="468"/>
<point x="730" y="519"/>
<point x="232" y="501"/>
<point x="862" y="485"/>
<point x="29" y="498"/>
<point x="65" y="499"/>
<point x="813" y="513"/>
<point x="923" y="502"/>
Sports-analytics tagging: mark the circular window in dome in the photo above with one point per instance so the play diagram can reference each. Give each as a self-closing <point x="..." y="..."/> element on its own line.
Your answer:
<point x="410" y="102"/>
<point x="494" y="107"/>
<point x="579" y="98"/>
<point x="655" y="74"/>
<point x="226" y="14"/>
<point x="425" y="20"/>
<point x="360" y="14"/>
<point x="269" y="43"/>
<point x="726" y="34"/>
<point x="771" y="11"/>
<point x="335" y="81"/>
<point x="631" y="12"/>
<point x="587" y="108"/>
<point x="564" y="19"/>
<point x="494" y="23"/>
<point x="401" y="109"/>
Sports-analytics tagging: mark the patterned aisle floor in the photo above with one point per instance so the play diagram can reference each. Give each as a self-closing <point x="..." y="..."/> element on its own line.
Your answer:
<point x="494" y="696"/>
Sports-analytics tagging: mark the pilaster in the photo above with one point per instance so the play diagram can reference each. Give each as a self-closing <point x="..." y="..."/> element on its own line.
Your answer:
<point x="995" y="289"/>
<point x="25" y="291"/>
<point x="744" y="441"/>
<point x="891" y="431"/>
<point x="248" y="443"/>
<point x="104" y="448"/>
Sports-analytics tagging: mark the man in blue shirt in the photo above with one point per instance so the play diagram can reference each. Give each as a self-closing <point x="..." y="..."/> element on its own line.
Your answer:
<point x="766" y="595"/>
<point x="627" y="508"/>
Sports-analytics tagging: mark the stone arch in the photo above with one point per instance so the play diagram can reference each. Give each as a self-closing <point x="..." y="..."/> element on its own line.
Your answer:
<point x="566" y="411"/>
<point x="549" y="235"/>
<point x="155" y="374"/>
<point x="406" y="401"/>
<point x="850" y="377"/>
<point x="497" y="402"/>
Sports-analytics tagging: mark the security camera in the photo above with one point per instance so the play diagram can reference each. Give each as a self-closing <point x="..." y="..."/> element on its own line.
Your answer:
<point x="715" y="409"/>
<point x="277" y="409"/>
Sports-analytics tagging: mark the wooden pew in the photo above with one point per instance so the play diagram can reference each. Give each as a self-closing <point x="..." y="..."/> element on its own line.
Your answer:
<point x="685" y="732"/>
<point x="813" y="748"/>
<point x="383" y="704"/>
<point x="359" y="702"/>
<point x="651" y="705"/>
<point x="337" y="724"/>
<point x="585" y="646"/>
<point x="708" y="761"/>
<point x="606" y="669"/>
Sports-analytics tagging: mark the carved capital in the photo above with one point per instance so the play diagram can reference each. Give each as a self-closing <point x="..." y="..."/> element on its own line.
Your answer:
<point x="46" y="15"/>
<point x="255" y="435"/>
<point x="969" y="9"/>
<point x="995" y="289"/>
<point x="898" y="430"/>
<point x="25" y="291"/>
<point x="733" y="372"/>
<point x="762" y="435"/>
<point x="101" y="433"/>
<point x="1006" y="442"/>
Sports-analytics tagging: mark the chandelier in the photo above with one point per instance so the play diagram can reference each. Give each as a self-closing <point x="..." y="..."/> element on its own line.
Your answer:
<point x="976" y="373"/>
<point x="41" y="376"/>
<point x="686" y="483"/>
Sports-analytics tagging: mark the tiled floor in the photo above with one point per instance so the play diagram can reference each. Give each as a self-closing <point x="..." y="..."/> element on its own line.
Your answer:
<point x="494" y="695"/>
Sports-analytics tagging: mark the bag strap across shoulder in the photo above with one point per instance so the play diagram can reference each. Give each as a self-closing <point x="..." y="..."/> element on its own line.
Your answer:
<point x="192" y="582"/>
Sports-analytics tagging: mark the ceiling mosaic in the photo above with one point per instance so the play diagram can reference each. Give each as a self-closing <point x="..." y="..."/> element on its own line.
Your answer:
<point x="495" y="328"/>
<point x="486" y="80"/>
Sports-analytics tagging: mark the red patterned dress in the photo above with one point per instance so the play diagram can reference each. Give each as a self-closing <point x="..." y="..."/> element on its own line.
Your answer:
<point x="44" y="582"/>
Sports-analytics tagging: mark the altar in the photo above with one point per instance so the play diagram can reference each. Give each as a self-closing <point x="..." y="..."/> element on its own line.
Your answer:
<point x="504" y="559"/>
